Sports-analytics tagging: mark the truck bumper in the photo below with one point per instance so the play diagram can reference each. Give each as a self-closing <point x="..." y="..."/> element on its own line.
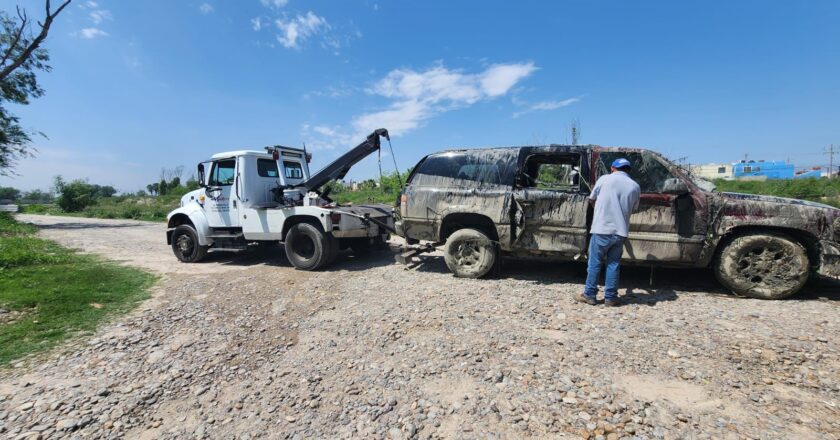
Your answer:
<point x="830" y="260"/>
<point x="368" y="232"/>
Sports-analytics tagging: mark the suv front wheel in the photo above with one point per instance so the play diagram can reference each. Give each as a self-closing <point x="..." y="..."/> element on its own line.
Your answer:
<point x="469" y="253"/>
<point x="764" y="266"/>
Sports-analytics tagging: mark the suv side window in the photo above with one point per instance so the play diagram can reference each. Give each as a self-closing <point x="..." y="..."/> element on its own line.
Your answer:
<point x="223" y="172"/>
<point x="553" y="172"/>
<point x="464" y="168"/>
<point x="647" y="170"/>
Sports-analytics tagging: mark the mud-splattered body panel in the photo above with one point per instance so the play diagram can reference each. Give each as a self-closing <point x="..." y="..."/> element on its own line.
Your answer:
<point x="680" y="221"/>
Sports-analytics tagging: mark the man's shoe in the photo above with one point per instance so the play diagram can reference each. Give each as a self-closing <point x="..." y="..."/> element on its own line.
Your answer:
<point x="611" y="303"/>
<point x="585" y="299"/>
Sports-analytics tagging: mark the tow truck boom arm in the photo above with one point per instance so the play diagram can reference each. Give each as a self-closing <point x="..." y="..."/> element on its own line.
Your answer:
<point x="339" y="167"/>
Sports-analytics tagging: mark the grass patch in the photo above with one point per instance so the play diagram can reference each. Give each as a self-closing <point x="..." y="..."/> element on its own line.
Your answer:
<point x="52" y="293"/>
<point x="118" y="207"/>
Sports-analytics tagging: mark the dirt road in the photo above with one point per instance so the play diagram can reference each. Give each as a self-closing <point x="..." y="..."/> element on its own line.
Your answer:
<point x="244" y="346"/>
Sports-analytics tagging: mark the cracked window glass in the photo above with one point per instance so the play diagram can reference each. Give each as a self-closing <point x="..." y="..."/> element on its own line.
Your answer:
<point x="466" y="168"/>
<point x="647" y="170"/>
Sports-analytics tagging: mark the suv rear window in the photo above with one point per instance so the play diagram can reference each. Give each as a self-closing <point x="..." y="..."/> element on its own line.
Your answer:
<point x="487" y="167"/>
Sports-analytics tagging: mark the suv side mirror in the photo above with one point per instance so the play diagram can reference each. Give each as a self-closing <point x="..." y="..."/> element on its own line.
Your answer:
<point x="201" y="181"/>
<point x="675" y="186"/>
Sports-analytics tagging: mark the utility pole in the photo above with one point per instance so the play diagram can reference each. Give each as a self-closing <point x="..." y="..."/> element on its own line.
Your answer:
<point x="575" y="128"/>
<point x="830" y="152"/>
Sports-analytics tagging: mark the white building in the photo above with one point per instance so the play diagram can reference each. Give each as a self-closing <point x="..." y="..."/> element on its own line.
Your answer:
<point x="712" y="171"/>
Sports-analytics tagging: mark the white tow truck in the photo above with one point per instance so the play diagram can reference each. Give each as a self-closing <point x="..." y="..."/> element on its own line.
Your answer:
<point x="269" y="196"/>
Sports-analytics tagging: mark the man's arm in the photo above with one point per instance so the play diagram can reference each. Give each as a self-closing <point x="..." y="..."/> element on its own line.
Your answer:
<point x="593" y="196"/>
<point x="637" y="195"/>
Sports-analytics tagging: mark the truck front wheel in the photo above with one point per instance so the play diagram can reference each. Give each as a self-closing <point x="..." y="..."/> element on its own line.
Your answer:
<point x="185" y="245"/>
<point x="764" y="266"/>
<point x="308" y="248"/>
<point x="469" y="253"/>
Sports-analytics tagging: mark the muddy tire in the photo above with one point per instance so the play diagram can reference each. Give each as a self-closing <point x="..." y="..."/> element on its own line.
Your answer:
<point x="309" y="248"/>
<point x="469" y="253"/>
<point x="185" y="245"/>
<point x="763" y="266"/>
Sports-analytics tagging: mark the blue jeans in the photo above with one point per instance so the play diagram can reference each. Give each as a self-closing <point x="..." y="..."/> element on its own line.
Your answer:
<point x="604" y="249"/>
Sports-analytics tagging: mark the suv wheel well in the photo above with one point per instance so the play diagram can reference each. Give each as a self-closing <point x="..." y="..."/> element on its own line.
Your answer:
<point x="180" y="219"/>
<point x="806" y="239"/>
<point x="295" y="219"/>
<point x="454" y="222"/>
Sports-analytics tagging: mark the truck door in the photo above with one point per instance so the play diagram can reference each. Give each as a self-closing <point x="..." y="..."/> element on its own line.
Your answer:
<point x="551" y="203"/>
<point x="219" y="205"/>
<point x="667" y="227"/>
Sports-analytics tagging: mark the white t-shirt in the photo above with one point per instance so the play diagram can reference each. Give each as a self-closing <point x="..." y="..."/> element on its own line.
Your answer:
<point x="617" y="196"/>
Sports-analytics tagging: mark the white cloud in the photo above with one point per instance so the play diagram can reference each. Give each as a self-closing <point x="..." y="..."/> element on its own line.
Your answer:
<point x="325" y="130"/>
<point x="546" y="106"/>
<point x="417" y="96"/>
<point x="90" y="33"/>
<point x="276" y="4"/>
<point x="256" y="23"/>
<point x="99" y="15"/>
<point x="206" y="8"/>
<point x="300" y="28"/>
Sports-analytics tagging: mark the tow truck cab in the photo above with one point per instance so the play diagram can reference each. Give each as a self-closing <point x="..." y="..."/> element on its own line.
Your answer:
<point x="241" y="182"/>
<point x="251" y="196"/>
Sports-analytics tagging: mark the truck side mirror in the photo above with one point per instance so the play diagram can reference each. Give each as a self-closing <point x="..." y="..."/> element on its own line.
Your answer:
<point x="201" y="181"/>
<point x="675" y="186"/>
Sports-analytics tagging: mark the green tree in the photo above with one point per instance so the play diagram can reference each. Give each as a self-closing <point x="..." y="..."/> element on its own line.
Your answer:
<point x="78" y="194"/>
<point x="21" y="57"/>
<point x="37" y="196"/>
<point x="9" y="193"/>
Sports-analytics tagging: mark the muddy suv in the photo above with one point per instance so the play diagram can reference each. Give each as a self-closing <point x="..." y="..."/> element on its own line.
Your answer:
<point x="533" y="202"/>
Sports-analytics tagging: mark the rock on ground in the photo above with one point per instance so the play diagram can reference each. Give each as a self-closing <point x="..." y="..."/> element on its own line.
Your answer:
<point x="244" y="346"/>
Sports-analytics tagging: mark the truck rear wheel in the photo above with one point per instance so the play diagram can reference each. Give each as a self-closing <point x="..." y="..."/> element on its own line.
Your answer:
<point x="185" y="245"/>
<point x="469" y="253"/>
<point x="763" y="266"/>
<point x="309" y="248"/>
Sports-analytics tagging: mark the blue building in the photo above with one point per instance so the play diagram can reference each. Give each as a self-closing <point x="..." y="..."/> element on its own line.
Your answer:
<point x="775" y="169"/>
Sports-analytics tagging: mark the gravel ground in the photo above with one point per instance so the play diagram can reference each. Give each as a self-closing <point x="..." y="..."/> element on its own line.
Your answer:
<point x="244" y="346"/>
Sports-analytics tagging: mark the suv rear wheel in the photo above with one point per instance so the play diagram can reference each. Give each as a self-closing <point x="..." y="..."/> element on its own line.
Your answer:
<point x="469" y="253"/>
<point x="764" y="266"/>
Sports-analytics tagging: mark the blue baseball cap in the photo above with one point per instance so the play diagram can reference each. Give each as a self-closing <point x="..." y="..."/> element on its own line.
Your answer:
<point x="621" y="162"/>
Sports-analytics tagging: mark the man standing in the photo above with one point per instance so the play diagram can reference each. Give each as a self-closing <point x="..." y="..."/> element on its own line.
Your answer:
<point x="615" y="196"/>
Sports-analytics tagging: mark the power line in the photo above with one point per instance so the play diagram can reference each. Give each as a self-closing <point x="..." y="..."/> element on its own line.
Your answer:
<point x="830" y="152"/>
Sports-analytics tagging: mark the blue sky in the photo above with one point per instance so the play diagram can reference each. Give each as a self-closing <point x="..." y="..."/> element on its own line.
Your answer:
<point x="140" y="85"/>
